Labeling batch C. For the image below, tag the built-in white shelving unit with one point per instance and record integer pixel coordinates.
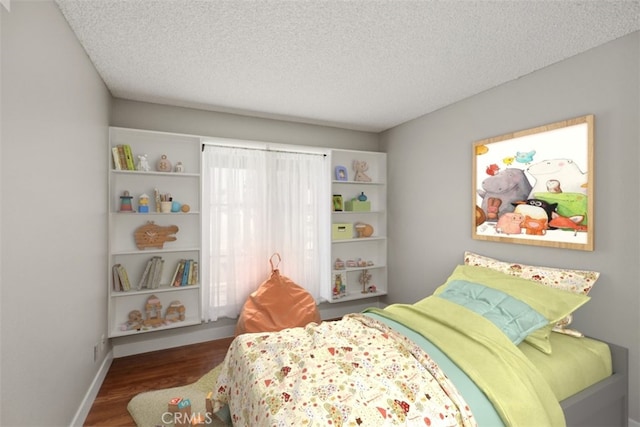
(369, 253)
(185, 189)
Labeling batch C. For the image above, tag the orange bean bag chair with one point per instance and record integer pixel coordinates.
(278, 303)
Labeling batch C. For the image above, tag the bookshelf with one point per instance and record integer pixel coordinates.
(134, 252)
(348, 244)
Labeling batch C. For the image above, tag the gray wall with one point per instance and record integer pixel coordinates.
(55, 113)
(141, 115)
(430, 186)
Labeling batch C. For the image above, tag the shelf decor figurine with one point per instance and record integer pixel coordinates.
(125, 202)
(364, 230)
(143, 163)
(164, 165)
(364, 279)
(360, 167)
(134, 322)
(143, 203)
(179, 167)
(339, 286)
(153, 312)
(175, 312)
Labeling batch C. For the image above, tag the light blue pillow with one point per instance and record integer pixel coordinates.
(515, 318)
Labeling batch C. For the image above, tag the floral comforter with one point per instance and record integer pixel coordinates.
(356, 371)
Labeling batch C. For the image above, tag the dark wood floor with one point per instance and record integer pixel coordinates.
(156, 370)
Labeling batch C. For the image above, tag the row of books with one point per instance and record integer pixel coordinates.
(186, 273)
(152, 273)
(123, 158)
(120, 278)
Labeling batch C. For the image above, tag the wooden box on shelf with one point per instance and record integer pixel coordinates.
(341, 231)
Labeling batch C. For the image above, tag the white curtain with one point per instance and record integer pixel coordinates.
(256, 203)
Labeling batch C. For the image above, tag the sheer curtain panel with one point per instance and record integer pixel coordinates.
(257, 202)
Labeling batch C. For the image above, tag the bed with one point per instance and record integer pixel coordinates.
(480, 350)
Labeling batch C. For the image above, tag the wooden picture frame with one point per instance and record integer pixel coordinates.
(535, 186)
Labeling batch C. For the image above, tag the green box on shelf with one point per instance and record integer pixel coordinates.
(356, 205)
(342, 231)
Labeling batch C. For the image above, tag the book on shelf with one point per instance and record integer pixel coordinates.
(123, 277)
(194, 276)
(185, 273)
(177, 277)
(157, 272)
(117, 284)
(128, 155)
(144, 279)
(175, 273)
(152, 274)
(122, 157)
(116, 158)
(190, 275)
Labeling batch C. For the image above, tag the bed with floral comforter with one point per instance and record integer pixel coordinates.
(375, 368)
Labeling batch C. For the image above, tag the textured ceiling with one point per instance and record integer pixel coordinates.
(366, 65)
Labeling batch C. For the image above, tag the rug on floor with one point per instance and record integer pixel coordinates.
(149, 409)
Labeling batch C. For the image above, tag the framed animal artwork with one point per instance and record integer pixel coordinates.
(535, 186)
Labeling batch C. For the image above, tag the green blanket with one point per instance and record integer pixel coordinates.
(515, 387)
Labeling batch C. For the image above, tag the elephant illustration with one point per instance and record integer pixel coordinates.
(507, 186)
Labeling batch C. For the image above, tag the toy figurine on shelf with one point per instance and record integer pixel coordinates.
(164, 165)
(125, 202)
(339, 286)
(179, 167)
(175, 312)
(153, 310)
(143, 203)
(364, 279)
(134, 322)
(143, 163)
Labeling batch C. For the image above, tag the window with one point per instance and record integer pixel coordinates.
(258, 201)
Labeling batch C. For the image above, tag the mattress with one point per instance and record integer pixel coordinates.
(575, 364)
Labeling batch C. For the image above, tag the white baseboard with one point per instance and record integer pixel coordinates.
(90, 396)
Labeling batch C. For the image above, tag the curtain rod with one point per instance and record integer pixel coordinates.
(241, 146)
